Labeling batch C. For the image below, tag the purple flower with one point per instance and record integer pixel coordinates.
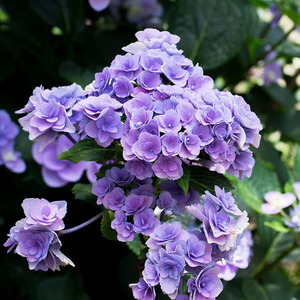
(165, 201)
(119, 219)
(175, 73)
(166, 233)
(12, 159)
(140, 117)
(142, 290)
(218, 226)
(136, 203)
(102, 79)
(125, 232)
(55, 172)
(115, 199)
(169, 122)
(106, 128)
(119, 176)
(190, 147)
(122, 87)
(224, 200)
(44, 213)
(171, 144)
(199, 82)
(39, 245)
(93, 106)
(145, 222)
(154, 38)
(170, 268)
(208, 115)
(271, 72)
(207, 285)
(139, 168)
(294, 220)
(127, 142)
(101, 188)
(151, 62)
(149, 80)
(99, 5)
(8, 129)
(127, 65)
(169, 167)
(204, 133)
(147, 147)
(44, 123)
(186, 112)
(198, 252)
(276, 202)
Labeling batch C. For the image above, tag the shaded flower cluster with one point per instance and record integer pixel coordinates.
(35, 237)
(57, 173)
(10, 158)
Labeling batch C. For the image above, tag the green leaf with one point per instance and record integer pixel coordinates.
(106, 229)
(281, 95)
(88, 150)
(252, 290)
(184, 181)
(135, 245)
(277, 225)
(211, 31)
(262, 180)
(83, 192)
(201, 180)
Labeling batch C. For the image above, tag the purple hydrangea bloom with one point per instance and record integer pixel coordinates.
(125, 232)
(241, 258)
(294, 221)
(136, 203)
(198, 252)
(169, 122)
(115, 199)
(119, 176)
(41, 212)
(165, 201)
(175, 73)
(8, 129)
(145, 222)
(102, 79)
(147, 147)
(218, 226)
(171, 144)
(139, 168)
(101, 188)
(190, 147)
(51, 112)
(207, 285)
(149, 80)
(119, 219)
(55, 172)
(122, 87)
(106, 128)
(127, 141)
(11, 159)
(169, 167)
(166, 233)
(140, 117)
(142, 290)
(170, 268)
(271, 72)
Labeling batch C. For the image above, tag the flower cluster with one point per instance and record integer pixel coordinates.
(175, 253)
(57, 173)
(8, 156)
(164, 110)
(50, 112)
(35, 237)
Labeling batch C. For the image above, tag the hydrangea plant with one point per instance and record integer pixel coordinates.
(156, 129)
